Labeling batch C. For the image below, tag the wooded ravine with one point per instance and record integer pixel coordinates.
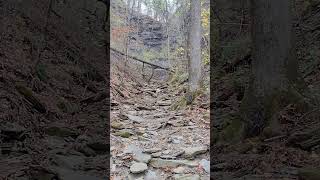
(160, 107)
(147, 89)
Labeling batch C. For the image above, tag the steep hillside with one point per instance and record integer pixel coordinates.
(53, 77)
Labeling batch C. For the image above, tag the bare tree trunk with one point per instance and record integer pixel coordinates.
(195, 47)
(274, 66)
(139, 6)
(167, 29)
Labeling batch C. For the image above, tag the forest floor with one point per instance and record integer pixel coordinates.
(290, 155)
(149, 141)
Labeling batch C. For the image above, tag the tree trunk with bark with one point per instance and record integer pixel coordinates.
(275, 79)
(195, 47)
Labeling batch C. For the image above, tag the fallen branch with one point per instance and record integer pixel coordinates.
(144, 62)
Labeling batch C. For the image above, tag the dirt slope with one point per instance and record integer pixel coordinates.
(52, 90)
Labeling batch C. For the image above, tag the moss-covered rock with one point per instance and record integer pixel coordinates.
(41, 72)
(233, 132)
(116, 125)
(59, 131)
(67, 107)
(123, 133)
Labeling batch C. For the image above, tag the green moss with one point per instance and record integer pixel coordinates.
(178, 78)
(66, 106)
(181, 103)
(123, 133)
(232, 132)
(62, 106)
(117, 125)
(24, 90)
(41, 72)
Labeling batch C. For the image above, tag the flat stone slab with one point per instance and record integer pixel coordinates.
(138, 167)
(162, 163)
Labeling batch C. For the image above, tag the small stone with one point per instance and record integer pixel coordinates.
(65, 174)
(151, 175)
(152, 150)
(175, 141)
(219, 167)
(60, 131)
(193, 151)
(205, 165)
(179, 170)
(70, 162)
(186, 177)
(136, 176)
(140, 157)
(117, 125)
(178, 153)
(164, 103)
(124, 133)
(136, 119)
(163, 163)
(138, 167)
(132, 149)
(167, 157)
(99, 145)
(157, 154)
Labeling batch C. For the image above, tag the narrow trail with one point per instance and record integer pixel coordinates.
(170, 144)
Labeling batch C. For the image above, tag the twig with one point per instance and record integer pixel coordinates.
(308, 113)
(274, 138)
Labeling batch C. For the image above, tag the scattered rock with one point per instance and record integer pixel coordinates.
(178, 153)
(138, 167)
(70, 162)
(124, 133)
(218, 167)
(167, 157)
(164, 103)
(205, 165)
(11, 131)
(151, 175)
(186, 177)
(117, 125)
(54, 142)
(145, 108)
(193, 151)
(64, 174)
(138, 176)
(84, 149)
(179, 170)
(132, 149)
(157, 154)
(152, 150)
(166, 152)
(60, 130)
(162, 163)
(99, 146)
(141, 157)
(136, 119)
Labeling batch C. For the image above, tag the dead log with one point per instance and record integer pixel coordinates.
(144, 62)
(29, 96)
(305, 140)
